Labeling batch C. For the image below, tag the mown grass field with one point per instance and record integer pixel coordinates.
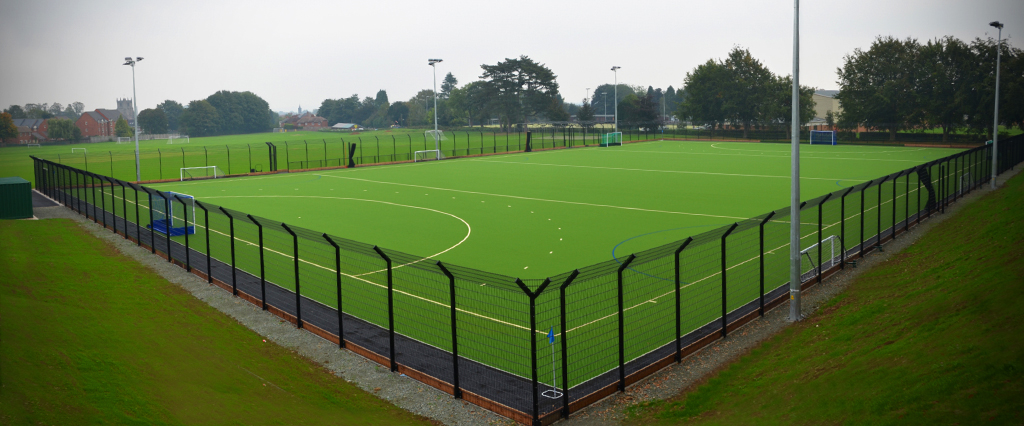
(88, 336)
(931, 336)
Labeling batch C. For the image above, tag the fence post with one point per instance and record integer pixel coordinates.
(337, 271)
(761, 260)
(724, 307)
(894, 180)
(209, 251)
(679, 306)
(231, 227)
(878, 216)
(92, 185)
(918, 205)
(152, 232)
(184, 208)
(622, 324)
(103, 200)
(295, 247)
(906, 204)
(533, 341)
(391, 309)
(263, 278)
(942, 188)
(842, 227)
(456, 390)
(168, 221)
(821, 207)
(138, 219)
(565, 344)
(124, 208)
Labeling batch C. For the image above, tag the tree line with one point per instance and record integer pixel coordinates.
(222, 113)
(945, 84)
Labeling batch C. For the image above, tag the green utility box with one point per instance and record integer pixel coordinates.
(15, 198)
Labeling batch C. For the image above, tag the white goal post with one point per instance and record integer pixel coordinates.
(428, 155)
(611, 139)
(177, 139)
(121, 140)
(74, 150)
(34, 144)
(832, 254)
(823, 137)
(205, 172)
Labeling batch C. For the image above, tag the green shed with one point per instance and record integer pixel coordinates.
(15, 198)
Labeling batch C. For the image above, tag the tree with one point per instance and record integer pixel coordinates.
(63, 129)
(704, 104)
(598, 100)
(777, 110)
(153, 121)
(981, 98)
(638, 112)
(173, 111)
(519, 89)
(585, 116)
(240, 112)
(122, 129)
(15, 111)
(69, 112)
(78, 108)
(382, 98)
(398, 113)
(55, 109)
(7, 128)
(830, 119)
(556, 111)
(945, 80)
(879, 87)
(449, 84)
(199, 119)
(745, 89)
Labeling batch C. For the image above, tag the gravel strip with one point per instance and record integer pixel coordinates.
(397, 389)
(424, 400)
(676, 378)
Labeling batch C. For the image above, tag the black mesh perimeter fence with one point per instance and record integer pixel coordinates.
(531, 350)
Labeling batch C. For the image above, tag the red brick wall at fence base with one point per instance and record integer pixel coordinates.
(498, 408)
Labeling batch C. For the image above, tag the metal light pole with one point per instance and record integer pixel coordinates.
(604, 96)
(135, 115)
(437, 137)
(794, 191)
(995, 120)
(588, 94)
(615, 69)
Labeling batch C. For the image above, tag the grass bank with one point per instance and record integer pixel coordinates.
(88, 336)
(931, 336)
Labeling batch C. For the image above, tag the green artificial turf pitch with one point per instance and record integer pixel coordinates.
(541, 214)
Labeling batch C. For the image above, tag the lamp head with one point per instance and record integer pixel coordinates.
(996, 24)
(138, 59)
(615, 68)
(431, 62)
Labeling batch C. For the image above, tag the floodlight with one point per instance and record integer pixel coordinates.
(996, 24)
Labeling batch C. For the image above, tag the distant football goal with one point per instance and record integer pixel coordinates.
(205, 172)
(611, 139)
(123, 140)
(177, 139)
(823, 137)
(78, 150)
(430, 154)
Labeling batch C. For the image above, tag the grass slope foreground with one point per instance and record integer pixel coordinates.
(934, 335)
(88, 336)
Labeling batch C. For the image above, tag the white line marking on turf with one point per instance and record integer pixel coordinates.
(537, 199)
(655, 171)
(714, 145)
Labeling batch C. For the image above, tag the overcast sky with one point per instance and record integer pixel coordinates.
(301, 52)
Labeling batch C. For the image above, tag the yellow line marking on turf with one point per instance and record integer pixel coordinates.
(538, 199)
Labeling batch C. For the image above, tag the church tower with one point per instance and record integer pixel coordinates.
(124, 106)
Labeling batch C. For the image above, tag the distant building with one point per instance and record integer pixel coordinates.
(824, 101)
(31, 130)
(305, 121)
(101, 122)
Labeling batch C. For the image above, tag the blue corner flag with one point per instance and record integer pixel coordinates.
(551, 336)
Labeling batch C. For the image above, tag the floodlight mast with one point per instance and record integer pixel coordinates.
(615, 69)
(794, 190)
(437, 137)
(135, 114)
(995, 119)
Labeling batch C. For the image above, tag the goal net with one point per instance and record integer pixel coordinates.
(831, 253)
(34, 145)
(173, 214)
(823, 137)
(82, 150)
(431, 154)
(965, 183)
(123, 140)
(177, 139)
(205, 172)
(611, 139)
